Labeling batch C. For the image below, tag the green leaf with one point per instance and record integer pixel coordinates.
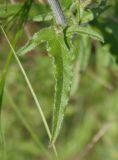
(85, 52)
(2, 79)
(87, 16)
(88, 31)
(43, 17)
(38, 38)
(2, 85)
(4, 73)
(10, 10)
(62, 71)
(37, 10)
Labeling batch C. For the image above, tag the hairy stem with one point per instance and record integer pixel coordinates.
(57, 11)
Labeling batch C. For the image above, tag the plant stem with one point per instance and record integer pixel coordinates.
(32, 91)
(57, 11)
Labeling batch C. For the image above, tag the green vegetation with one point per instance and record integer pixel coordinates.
(58, 80)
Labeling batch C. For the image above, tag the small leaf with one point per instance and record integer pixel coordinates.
(88, 31)
(87, 16)
(62, 62)
(38, 38)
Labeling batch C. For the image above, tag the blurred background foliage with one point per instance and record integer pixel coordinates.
(90, 129)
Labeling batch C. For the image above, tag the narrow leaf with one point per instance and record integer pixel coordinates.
(2, 85)
(62, 70)
(85, 52)
(88, 31)
(2, 79)
(63, 76)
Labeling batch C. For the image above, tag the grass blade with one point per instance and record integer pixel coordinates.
(2, 85)
(31, 90)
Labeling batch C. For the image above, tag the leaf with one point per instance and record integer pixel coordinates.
(88, 31)
(43, 17)
(10, 10)
(82, 51)
(87, 16)
(4, 73)
(38, 38)
(99, 9)
(62, 71)
(2, 79)
(85, 52)
(36, 10)
(2, 85)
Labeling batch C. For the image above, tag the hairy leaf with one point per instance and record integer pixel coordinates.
(85, 31)
(62, 71)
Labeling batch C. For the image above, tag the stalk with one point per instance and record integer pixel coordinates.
(57, 11)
